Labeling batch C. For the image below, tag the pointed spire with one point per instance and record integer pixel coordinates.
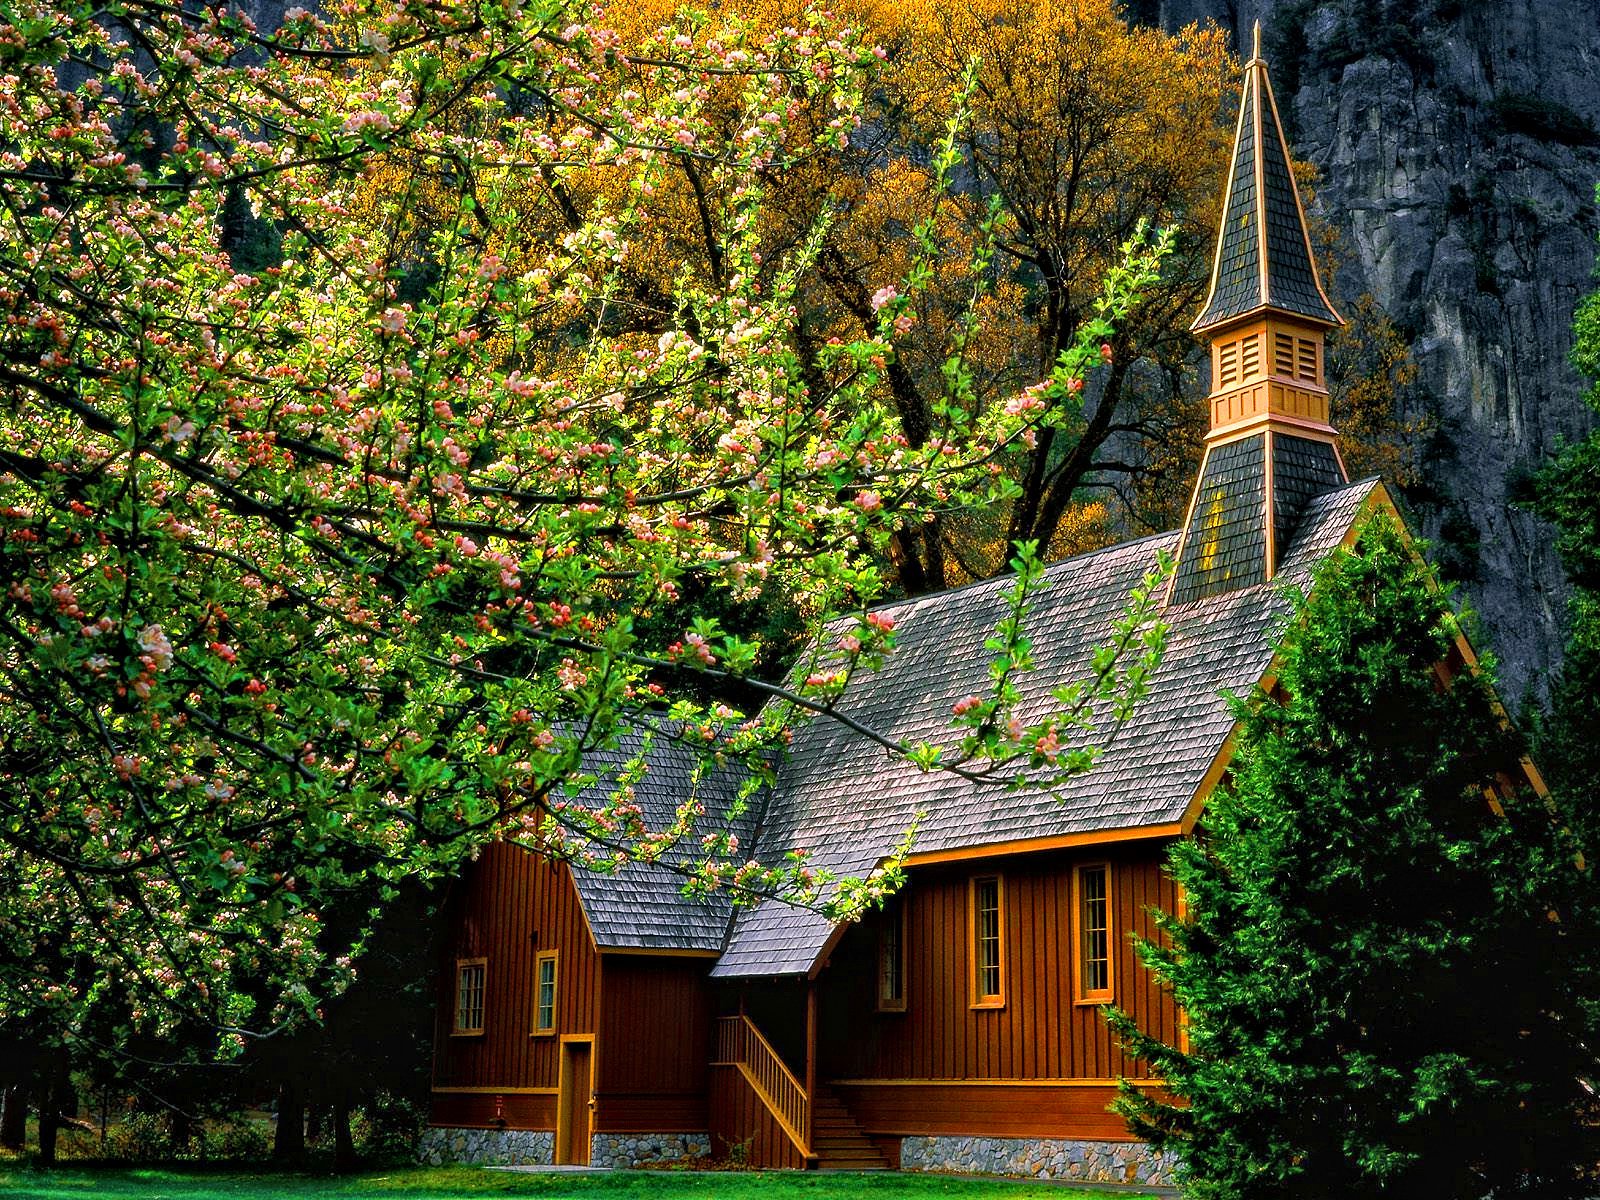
(1271, 448)
(1264, 260)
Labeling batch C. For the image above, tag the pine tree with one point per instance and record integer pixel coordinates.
(1381, 999)
(1568, 496)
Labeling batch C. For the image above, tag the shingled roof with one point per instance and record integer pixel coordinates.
(848, 803)
(1263, 258)
(641, 906)
(844, 800)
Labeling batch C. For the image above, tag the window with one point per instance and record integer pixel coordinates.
(1092, 885)
(544, 993)
(470, 978)
(988, 947)
(892, 958)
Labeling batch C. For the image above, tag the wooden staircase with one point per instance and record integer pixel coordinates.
(836, 1139)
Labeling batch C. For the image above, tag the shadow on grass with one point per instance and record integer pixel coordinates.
(449, 1183)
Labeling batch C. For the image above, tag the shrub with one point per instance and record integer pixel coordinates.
(1542, 120)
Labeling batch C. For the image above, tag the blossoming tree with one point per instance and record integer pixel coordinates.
(321, 568)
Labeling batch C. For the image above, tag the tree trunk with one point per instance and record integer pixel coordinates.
(344, 1148)
(49, 1126)
(289, 1135)
(182, 1132)
(58, 1098)
(14, 1118)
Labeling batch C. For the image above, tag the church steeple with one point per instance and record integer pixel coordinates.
(1270, 447)
(1263, 258)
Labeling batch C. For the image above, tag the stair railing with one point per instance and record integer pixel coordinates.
(741, 1044)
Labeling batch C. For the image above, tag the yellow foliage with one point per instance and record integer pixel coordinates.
(1081, 124)
(1085, 527)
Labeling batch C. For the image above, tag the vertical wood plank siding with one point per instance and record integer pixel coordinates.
(653, 1019)
(1041, 1032)
(509, 905)
(655, 1050)
(742, 1128)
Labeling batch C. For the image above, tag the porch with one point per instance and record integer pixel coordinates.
(763, 1115)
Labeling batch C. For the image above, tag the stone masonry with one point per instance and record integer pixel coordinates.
(1043, 1158)
(631, 1149)
(531, 1147)
(486, 1147)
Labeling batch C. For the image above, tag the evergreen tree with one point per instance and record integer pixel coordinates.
(1381, 999)
(1569, 497)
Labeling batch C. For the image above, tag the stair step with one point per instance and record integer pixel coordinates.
(837, 1140)
(852, 1164)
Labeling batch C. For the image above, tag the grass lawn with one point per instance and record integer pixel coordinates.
(446, 1183)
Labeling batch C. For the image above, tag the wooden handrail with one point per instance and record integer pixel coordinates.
(741, 1044)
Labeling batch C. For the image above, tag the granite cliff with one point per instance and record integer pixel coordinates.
(1458, 143)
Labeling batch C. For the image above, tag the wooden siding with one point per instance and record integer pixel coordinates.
(1041, 1032)
(1009, 1110)
(508, 906)
(655, 1028)
(481, 1110)
(741, 1127)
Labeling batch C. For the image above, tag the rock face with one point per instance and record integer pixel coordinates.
(1458, 149)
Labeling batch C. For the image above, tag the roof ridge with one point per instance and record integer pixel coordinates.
(996, 581)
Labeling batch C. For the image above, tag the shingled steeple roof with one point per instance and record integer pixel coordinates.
(1271, 447)
(1264, 259)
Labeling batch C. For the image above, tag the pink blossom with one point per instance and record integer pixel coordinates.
(157, 649)
(176, 430)
(371, 119)
(884, 295)
(700, 648)
(965, 705)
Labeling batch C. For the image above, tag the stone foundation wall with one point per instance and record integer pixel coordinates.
(631, 1149)
(486, 1147)
(1043, 1158)
(533, 1147)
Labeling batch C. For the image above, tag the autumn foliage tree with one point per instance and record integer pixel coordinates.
(1077, 126)
(335, 541)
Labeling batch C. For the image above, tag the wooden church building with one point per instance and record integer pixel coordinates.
(608, 1020)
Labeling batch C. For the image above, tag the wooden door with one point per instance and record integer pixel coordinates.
(576, 1103)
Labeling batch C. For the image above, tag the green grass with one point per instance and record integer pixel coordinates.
(446, 1183)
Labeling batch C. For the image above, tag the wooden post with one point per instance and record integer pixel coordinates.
(811, 1066)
